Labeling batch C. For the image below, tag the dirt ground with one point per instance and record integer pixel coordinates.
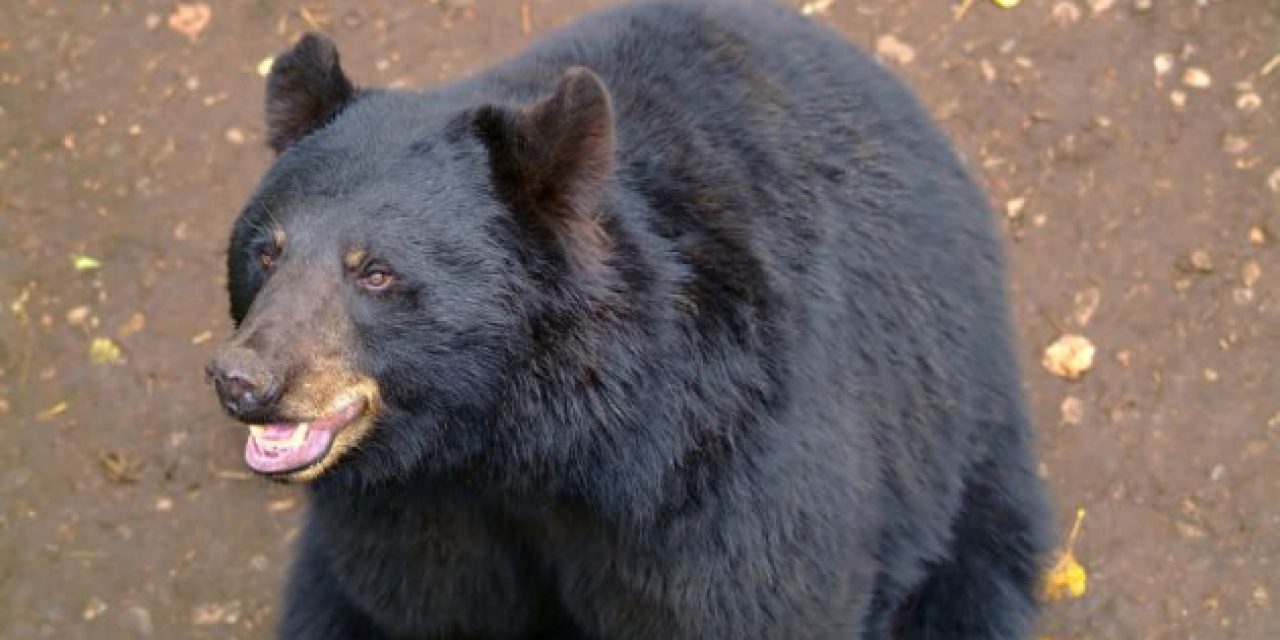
(1131, 148)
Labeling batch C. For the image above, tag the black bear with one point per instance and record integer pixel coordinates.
(686, 324)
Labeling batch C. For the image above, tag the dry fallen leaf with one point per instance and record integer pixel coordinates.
(94, 608)
(211, 613)
(816, 7)
(1067, 577)
(136, 322)
(190, 19)
(1070, 356)
(117, 468)
(52, 412)
(283, 504)
(1201, 261)
(1087, 302)
(103, 351)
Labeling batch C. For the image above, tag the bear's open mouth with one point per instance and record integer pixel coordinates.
(285, 448)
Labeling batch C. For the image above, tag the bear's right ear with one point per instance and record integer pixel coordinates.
(305, 89)
(551, 161)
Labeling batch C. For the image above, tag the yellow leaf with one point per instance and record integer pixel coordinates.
(1008, 4)
(264, 66)
(84, 263)
(52, 412)
(816, 7)
(1067, 578)
(103, 351)
(19, 305)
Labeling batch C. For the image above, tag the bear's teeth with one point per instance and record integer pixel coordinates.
(299, 435)
(296, 439)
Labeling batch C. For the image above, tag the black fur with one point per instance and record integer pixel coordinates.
(709, 341)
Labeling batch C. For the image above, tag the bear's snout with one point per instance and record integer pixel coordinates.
(244, 383)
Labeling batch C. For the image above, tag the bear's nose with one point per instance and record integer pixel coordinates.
(244, 384)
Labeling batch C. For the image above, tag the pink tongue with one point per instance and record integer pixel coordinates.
(273, 453)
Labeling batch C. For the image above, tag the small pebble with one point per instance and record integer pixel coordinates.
(1250, 272)
(1197, 78)
(1072, 409)
(1191, 531)
(1248, 102)
(78, 315)
(1163, 63)
(235, 136)
(1217, 472)
(1013, 208)
(889, 47)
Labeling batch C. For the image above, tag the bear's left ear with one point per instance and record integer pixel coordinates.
(553, 158)
(305, 89)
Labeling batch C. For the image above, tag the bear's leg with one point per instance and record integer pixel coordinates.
(988, 588)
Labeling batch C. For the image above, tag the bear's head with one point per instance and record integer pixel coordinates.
(403, 262)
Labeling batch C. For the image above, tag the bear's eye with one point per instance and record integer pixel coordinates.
(267, 257)
(376, 279)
